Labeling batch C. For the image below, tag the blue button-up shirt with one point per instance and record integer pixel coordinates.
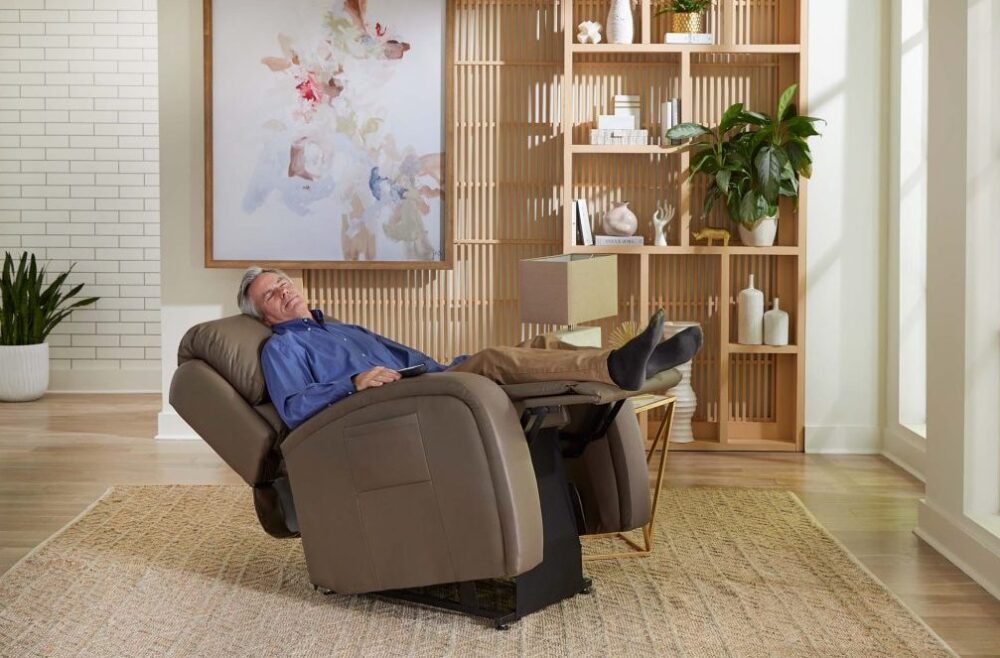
(309, 364)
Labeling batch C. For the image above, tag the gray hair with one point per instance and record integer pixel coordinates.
(247, 307)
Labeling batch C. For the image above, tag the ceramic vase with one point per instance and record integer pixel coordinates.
(681, 431)
(620, 28)
(751, 316)
(620, 220)
(24, 372)
(776, 326)
(761, 235)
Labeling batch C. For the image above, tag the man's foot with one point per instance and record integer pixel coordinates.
(674, 351)
(627, 364)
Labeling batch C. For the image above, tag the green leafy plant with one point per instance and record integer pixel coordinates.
(29, 311)
(685, 6)
(750, 158)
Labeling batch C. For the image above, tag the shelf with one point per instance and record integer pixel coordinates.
(736, 348)
(667, 251)
(660, 48)
(607, 149)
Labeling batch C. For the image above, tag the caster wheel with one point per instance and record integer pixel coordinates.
(323, 590)
(502, 627)
(588, 586)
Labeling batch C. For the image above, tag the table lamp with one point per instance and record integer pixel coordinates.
(569, 289)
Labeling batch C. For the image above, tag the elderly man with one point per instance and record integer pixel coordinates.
(310, 363)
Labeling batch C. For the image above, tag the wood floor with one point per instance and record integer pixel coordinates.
(60, 454)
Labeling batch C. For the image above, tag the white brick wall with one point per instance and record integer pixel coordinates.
(79, 175)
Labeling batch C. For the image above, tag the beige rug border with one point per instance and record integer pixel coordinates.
(798, 501)
(867, 571)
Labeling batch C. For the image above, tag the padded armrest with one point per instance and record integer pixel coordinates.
(425, 480)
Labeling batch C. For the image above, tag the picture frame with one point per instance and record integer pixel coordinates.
(342, 180)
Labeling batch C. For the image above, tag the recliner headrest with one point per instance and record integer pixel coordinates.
(232, 347)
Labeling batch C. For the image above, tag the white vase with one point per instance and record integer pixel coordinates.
(24, 372)
(750, 306)
(776, 326)
(761, 235)
(620, 28)
(681, 431)
(620, 220)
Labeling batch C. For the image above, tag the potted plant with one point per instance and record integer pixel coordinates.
(752, 160)
(688, 15)
(28, 313)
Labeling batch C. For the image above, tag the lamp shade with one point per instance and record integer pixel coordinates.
(568, 289)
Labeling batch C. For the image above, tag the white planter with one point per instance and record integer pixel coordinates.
(681, 431)
(762, 235)
(24, 372)
(620, 28)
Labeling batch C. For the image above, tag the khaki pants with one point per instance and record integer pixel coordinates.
(541, 359)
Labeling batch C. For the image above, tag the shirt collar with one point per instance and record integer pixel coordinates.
(300, 323)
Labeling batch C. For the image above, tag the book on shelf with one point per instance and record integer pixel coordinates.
(581, 223)
(619, 137)
(617, 122)
(701, 39)
(619, 240)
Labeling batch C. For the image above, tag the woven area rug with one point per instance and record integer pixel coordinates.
(186, 571)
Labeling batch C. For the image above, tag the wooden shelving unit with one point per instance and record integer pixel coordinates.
(750, 397)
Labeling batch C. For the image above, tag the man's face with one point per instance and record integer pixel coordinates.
(277, 299)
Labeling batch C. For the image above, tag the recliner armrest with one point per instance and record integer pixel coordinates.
(421, 481)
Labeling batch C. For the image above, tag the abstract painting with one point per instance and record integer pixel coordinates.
(325, 133)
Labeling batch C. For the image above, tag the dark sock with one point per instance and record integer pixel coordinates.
(674, 351)
(627, 364)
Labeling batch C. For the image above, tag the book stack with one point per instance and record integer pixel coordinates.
(622, 127)
(701, 39)
(670, 116)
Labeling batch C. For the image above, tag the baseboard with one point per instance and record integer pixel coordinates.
(104, 381)
(171, 427)
(906, 450)
(843, 439)
(966, 545)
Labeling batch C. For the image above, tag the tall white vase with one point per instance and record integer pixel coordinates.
(776, 326)
(681, 431)
(751, 316)
(620, 28)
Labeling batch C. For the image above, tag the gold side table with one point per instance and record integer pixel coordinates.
(642, 404)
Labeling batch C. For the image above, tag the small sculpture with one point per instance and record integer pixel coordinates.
(590, 32)
(709, 234)
(620, 220)
(661, 220)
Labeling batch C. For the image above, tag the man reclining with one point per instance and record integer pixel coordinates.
(309, 363)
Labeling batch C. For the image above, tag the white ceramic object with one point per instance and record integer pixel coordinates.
(761, 235)
(661, 220)
(24, 372)
(590, 32)
(620, 220)
(687, 401)
(751, 316)
(620, 26)
(776, 326)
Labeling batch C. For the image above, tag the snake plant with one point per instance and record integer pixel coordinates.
(29, 310)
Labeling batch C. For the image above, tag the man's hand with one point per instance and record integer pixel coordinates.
(377, 376)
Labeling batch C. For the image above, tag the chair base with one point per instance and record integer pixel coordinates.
(559, 575)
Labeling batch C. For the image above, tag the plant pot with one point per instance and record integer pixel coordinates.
(24, 372)
(762, 234)
(692, 22)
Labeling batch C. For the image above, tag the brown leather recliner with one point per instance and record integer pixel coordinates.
(441, 478)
